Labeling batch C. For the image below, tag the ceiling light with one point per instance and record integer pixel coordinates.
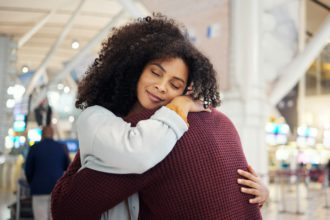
(54, 120)
(66, 89)
(71, 119)
(10, 103)
(10, 90)
(60, 86)
(18, 92)
(25, 69)
(75, 45)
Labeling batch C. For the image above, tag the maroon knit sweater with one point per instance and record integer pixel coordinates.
(197, 180)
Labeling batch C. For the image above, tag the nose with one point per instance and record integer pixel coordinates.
(161, 86)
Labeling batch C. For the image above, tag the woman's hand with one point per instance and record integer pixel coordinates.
(254, 186)
(187, 104)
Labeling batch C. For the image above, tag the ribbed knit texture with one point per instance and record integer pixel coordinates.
(197, 180)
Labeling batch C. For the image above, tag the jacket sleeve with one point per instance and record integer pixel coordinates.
(29, 165)
(109, 144)
(86, 194)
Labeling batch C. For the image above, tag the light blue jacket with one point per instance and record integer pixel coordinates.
(109, 144)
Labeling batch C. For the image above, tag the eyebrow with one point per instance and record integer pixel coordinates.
(164, 70)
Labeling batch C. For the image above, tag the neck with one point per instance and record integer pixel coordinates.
(137, 108)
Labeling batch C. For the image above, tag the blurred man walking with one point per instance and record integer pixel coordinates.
(45, 164)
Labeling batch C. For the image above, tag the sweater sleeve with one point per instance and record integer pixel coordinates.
(109, 144)
(86, 194)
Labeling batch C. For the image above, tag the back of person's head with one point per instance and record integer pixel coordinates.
(47, 132)
(111, 80)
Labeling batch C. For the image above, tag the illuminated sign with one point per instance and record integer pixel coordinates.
(277, 133)
(306, 136)
(19, 124)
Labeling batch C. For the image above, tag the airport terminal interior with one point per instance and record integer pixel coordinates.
(272, 59)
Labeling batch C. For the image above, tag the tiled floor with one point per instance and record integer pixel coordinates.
(308, 204)
(311, 203)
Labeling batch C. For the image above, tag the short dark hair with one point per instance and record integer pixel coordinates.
(47, 132)
(111, 81)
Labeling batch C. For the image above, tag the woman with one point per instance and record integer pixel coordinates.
(143, 66)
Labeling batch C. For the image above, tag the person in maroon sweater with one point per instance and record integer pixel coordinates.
(198, 179)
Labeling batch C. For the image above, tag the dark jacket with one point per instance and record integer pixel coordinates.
(45, 164)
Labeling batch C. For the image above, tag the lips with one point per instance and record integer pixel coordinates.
(154, 98)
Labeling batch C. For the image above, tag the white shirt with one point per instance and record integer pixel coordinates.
(109, 144)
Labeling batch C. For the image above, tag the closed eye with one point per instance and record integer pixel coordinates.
(175, 86)
(155, 73)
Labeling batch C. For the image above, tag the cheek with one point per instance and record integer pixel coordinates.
(138, 92)
(142, 83)
(145, 82)
(138, 88)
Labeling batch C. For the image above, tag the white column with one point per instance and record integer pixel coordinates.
(7, 68)
(245, 103)
(302, 82)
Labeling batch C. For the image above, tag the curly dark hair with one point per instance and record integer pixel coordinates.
(111, 81)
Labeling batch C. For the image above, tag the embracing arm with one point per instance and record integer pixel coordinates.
(253, 186)
(87, 194)
(109, 144)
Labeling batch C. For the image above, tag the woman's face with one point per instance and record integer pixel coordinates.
(160, 82)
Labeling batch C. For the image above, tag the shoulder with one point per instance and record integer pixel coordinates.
(215, 117)
(93, 114)
(95, 109)
(58, 146)
(215, 122)
(53, 142)
(222, 118)
(36, 148)
(36, 145)
(135, 118)
(33, 147)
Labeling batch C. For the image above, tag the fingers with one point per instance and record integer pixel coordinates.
(250, 191)
(189, 88)
(248, 183)
(248, 175)
(205, 110)
(189, 92)
(257, 189)
(200, 107)
(256, 200)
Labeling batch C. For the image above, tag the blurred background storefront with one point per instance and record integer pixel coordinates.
(273, 63)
